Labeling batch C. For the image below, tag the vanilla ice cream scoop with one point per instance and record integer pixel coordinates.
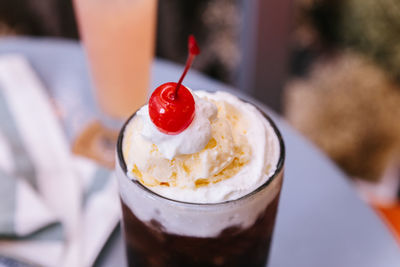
(227, 151)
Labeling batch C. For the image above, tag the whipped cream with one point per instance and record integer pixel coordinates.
(228, 151)
(182, 143)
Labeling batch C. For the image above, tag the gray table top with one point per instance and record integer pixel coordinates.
(321, 220)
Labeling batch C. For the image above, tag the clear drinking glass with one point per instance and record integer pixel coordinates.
(118, 37)
(164, 232)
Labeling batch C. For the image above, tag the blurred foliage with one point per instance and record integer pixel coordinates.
(346, 97)
(350, 108)
(369, 26)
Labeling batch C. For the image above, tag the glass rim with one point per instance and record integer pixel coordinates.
(278, 170)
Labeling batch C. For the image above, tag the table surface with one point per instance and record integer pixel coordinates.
(321, 220)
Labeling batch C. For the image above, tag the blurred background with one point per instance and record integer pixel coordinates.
(338, 81)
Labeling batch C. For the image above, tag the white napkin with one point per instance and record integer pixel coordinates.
(56, 209)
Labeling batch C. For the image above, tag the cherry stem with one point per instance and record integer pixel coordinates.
(188, 64)
(193, 51)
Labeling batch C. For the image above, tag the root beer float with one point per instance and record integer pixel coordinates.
(200, 175)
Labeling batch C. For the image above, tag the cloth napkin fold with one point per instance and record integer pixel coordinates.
(56, 209)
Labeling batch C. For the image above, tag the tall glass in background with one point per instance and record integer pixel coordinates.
(118, 36)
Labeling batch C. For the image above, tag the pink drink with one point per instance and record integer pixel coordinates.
(119, 39)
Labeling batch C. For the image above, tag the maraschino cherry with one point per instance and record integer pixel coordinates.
(171, 106)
